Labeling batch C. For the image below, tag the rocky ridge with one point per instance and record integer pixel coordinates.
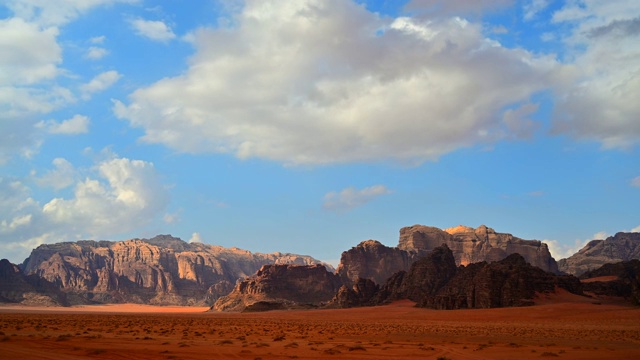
(276, 287)
(163, 270)
(623, 246)
(436, 282)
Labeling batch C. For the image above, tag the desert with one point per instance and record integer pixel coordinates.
(559, 325)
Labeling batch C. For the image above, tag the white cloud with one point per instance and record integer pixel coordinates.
(605, 50)
(351, 197)
(636, 229)
(562, 251)
(635, 181)
(48, 13)
(195, 238)
(61, 177)
(96, 53)
(78, 124)
(316, 82)
(518, 124)
(99, 83)
(533, 7)
(122, 195)
(457, 6)
(154, 30)
(98, 39)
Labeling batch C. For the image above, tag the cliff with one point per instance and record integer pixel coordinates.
(163, 270)
(475, 245)
(626, 283)
(281, 287)
(621, 247)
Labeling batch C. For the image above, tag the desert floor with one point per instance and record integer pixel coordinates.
(563, 326)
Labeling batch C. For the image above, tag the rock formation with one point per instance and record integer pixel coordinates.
(362, 293)
(163, 270)
(475, 245)
(434, 281)
(15, 287)
(621, 247)
(626, 284)
(281, 287)
(372, 260)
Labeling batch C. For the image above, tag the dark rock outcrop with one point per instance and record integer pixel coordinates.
(621, 247)
(362, 293)
(476, 245)
(372, 260)
(626, 284)
(163, 270)
(15, 287)
(281, 287)
(434, 281)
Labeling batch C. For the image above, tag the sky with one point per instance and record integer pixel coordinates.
(308, 126)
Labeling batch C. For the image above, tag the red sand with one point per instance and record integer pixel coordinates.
(562, 325)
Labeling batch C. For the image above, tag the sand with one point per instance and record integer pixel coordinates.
(563, 326)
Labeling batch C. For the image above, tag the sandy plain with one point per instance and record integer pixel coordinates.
(560, 326)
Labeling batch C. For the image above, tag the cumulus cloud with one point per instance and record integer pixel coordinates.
(121, 195)
(154, 30)
(96, 53)
(62, 176)
(602, 105)
(636, 229)
(351, 197)
(319, 82)
(533, 7)
(99, 83)
(78, 124)
(195, 238)
(562, 250)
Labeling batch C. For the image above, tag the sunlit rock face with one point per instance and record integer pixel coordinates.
(471, 245)
(163, 270)
(624, 246)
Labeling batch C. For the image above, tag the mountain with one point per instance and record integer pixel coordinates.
(163, 270)
(623, 246)
(276, 287)
(434, 281)
(372, 260)
(625, 282)
(471, 245)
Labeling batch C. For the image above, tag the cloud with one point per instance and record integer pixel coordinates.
(458, 7)
(195, 238)
(120, 196)
(96, 53)
(351, 197)
(55, 13)
(533, 7)
(78, 124)
(154, 30)
(322, 82)
(636, 229)
(603, 45)
(61, 177)
(635, 181)
(99, 83)
(562, 251)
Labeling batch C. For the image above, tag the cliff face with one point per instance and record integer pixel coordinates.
(372, 260)
(161, 270)
(475, 245)
(280, 287)
(626, 283)
(621, 247)
(435, 282)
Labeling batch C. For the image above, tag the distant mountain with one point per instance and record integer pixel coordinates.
(620, 247)
(372, 260)
(434, 281)
(163, 270)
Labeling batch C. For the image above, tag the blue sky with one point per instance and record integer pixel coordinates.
(310, 126)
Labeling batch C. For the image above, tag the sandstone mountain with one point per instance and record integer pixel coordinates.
(163, 270)
(621, 247)
(475, 245)
(434, 281)
(281, 287)
(372, 260)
